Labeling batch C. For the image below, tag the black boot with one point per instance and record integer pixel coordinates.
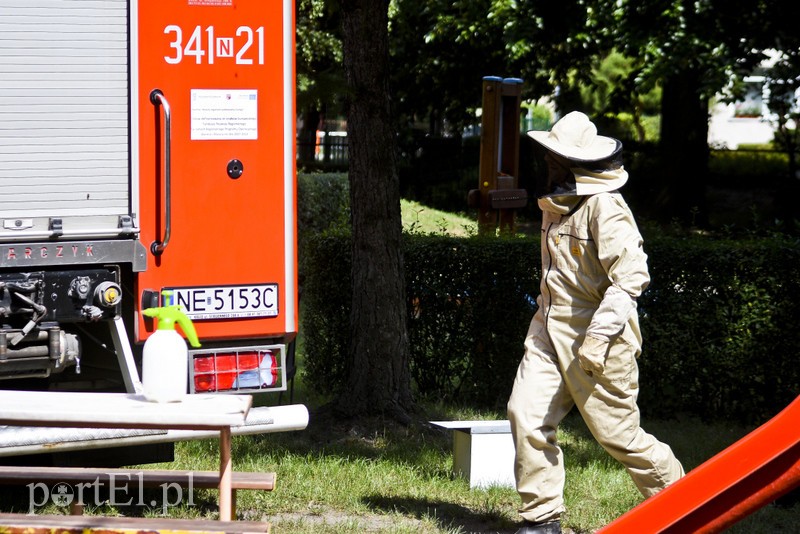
(544, 527)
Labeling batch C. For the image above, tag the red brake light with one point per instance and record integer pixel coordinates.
(225, 371)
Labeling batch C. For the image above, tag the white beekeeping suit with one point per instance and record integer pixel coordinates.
(583, 341)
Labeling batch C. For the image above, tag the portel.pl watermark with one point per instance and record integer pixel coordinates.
(126, 489)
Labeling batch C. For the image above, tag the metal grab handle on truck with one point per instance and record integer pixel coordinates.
(157, 98)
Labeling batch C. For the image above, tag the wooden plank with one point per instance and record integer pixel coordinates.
(487, 167)
(121, 410)
(226, 505)
(252, 480)
(133, 477)
(46, 524)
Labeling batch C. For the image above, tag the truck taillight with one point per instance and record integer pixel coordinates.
(236, 370)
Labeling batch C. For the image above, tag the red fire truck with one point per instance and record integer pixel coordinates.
(145, 146)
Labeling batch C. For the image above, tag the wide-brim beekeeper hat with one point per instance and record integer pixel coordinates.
(575, 137)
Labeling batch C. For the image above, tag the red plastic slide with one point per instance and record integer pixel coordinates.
(749, 474)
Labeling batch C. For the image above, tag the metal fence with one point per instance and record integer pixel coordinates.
(329, 149)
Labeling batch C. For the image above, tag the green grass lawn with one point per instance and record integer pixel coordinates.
(423, 219)
(371, 475)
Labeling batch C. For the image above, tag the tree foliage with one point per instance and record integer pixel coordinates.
(318, 59)
(784, 86)
(440, 52)
(693, 49)
(441, 49)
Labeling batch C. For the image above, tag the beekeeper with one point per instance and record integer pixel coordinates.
(583, 341)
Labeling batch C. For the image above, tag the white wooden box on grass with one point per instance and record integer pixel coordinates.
(483, 452)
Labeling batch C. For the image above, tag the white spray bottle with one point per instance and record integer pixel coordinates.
(165, 360)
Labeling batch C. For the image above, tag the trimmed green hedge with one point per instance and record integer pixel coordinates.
(323, 202)
(470, 302)
(745, 169)
(719, 320)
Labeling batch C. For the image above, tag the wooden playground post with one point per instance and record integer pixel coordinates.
(498, 195)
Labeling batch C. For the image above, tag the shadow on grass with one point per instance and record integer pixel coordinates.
(449, 516)
(364, 437)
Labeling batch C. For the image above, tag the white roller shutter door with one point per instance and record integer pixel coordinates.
(64, 108)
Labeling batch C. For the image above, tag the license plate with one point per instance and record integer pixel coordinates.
(227, 302)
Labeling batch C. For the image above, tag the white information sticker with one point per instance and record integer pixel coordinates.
(221, 114)
(219, 3)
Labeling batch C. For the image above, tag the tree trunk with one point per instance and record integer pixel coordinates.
(379, 376)
(684, 149)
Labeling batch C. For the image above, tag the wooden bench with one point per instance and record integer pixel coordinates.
(119, 478)
(69, 409)
(47, 524)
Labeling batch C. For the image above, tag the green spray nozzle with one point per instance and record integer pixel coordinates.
(167, 317)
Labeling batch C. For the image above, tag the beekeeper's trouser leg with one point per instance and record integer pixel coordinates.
(549, 382)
